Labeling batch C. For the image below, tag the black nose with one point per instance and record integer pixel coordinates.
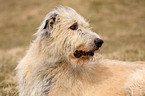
(98, 42)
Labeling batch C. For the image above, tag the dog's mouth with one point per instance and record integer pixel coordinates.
(81, 53)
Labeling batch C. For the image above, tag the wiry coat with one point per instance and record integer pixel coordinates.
(50, 69)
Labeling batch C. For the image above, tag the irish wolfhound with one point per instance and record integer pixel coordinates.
(62, 61)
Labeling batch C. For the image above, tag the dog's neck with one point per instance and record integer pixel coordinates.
(59, 72)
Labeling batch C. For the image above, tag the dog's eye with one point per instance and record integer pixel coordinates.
(74, 26)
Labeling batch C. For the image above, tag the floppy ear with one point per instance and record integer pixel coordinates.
(49, 23)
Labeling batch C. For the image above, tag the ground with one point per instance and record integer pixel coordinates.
(120, 23)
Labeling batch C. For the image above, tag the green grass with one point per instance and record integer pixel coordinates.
(120, 23)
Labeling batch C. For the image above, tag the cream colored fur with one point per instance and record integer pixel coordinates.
(50, 69)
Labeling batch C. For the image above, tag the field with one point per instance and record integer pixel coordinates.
(120, 23)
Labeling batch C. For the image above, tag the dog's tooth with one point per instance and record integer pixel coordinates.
(93, 59)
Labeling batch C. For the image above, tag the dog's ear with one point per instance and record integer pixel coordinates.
(47, 25)
(50, 22)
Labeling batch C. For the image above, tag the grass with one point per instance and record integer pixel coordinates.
(120, 23)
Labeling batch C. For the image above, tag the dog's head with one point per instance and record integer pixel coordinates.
(68, 35)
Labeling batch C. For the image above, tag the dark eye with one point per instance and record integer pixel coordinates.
(74, 26)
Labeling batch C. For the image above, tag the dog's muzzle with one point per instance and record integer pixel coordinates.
(98, 43)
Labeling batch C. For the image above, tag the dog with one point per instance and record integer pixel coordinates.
(63, 61)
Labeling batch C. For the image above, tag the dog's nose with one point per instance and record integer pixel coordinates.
(98, 42)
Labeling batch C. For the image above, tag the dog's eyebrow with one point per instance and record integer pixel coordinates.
(46, 24)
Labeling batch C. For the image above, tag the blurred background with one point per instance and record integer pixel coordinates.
(120, 23)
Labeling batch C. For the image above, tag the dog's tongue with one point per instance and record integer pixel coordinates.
(78, 54)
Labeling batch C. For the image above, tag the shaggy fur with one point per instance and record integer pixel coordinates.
(50, 68)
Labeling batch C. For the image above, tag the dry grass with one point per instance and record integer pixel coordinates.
(119, 22)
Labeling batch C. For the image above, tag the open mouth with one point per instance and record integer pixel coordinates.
(80, 53)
